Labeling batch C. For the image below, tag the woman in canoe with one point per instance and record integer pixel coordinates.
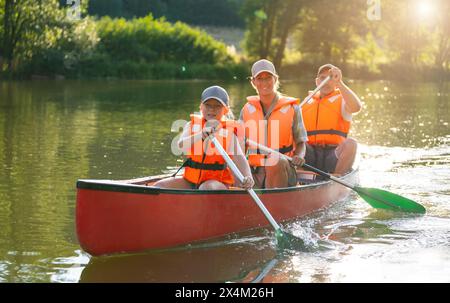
(205, 167)
(278, 117)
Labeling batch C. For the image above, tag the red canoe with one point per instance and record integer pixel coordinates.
(132, 215)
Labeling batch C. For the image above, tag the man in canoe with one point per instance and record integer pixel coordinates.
(273, 120)
(205, 168)
(327, 117)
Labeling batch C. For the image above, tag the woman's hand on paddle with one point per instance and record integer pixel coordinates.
(297, 160)
(210, 128)
(248, 182)
(207, 131)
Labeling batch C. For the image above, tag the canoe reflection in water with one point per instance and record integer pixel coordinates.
(235, 262)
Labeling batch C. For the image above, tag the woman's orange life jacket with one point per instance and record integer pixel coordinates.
(204, 161)
(323, 119)
(275, 132)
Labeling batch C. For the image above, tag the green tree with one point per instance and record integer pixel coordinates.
(269, 24)
(367, 55)
(406, 36)
(17, 16)
(287, 23)
(150, 40)
(260, 17)
(328, 29)
(30, 25)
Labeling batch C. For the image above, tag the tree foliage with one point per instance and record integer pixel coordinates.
(340, 32)
(150, 40)
(30, 26)
(38, 37)
(328, 29)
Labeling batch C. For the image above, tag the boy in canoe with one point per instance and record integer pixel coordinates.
(205, 168)
(327, 117)
(273, 120)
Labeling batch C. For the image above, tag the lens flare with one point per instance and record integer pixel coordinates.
(424, 9)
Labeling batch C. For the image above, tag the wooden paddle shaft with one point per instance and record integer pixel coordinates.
(239, 175)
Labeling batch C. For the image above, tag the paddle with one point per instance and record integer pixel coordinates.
(284, 239)
(377, 198)
(319, 87)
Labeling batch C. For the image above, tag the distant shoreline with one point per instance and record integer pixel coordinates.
(302, 79)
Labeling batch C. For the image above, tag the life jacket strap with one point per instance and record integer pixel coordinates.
(327, 132)
(283, 150)
(204, 166)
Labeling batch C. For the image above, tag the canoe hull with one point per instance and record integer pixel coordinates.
(113, 218)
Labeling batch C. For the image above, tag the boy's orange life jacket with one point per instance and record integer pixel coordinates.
(323, 120)
(204, 161)
(275, 133)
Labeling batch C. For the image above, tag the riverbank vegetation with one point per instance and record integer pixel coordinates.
(40, 41)
(137, 39)
(389, 39)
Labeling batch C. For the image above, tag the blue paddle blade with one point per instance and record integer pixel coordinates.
(379, 198)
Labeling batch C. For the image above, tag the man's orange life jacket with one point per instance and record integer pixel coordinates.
(204, 161)
(323, 119)
(275, 132)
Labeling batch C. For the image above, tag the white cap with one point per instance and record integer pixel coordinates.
(263, 65)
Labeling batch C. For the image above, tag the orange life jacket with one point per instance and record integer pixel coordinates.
(323, 119)
(275, 133)
(204, 161)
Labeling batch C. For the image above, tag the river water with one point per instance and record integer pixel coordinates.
(53, 133)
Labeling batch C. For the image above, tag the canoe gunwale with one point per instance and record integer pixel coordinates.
(127, 186)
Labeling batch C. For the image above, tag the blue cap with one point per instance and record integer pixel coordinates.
(215, 92)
